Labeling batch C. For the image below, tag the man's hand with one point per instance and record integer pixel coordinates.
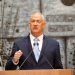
(17, 56)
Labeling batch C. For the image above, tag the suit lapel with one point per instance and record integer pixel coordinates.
(31, 59)
(43, 48)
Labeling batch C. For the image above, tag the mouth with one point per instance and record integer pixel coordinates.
(35, 27)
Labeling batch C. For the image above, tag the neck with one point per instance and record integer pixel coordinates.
(36, 34)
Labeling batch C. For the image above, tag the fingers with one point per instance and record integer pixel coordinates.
(17, 55)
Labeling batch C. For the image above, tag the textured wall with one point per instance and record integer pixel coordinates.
(61, 23)
(60, 18)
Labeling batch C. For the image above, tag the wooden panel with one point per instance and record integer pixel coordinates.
(37, 72)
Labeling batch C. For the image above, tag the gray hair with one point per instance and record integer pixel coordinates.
(40, 14)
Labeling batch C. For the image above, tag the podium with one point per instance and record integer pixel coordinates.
(38, 72)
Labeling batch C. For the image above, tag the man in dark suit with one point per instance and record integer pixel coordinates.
(45, 54)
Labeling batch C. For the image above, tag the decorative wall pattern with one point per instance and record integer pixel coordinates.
(60, 25)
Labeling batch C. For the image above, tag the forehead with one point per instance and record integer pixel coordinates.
(36, 16)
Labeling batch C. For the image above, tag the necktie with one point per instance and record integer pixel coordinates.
(36, 49)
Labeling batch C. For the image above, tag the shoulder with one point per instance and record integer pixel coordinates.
(21, 39)
(51, 40)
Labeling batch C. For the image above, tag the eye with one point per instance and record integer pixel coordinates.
(38, 21)
(32, 20)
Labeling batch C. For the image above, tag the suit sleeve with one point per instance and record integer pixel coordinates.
(9, 64)
(58, 63)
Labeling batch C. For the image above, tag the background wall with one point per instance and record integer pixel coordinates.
(60, 18)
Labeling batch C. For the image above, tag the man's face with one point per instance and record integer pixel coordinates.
(36, 24)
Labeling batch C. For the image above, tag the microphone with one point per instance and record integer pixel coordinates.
(48, 61)
(25, 60)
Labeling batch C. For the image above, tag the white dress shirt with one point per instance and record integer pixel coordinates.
(40, 38)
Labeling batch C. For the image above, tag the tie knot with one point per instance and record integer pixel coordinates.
(36, 41)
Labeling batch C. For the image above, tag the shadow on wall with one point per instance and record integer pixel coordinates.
(68, 2)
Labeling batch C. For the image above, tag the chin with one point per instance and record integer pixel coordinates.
(35, 31)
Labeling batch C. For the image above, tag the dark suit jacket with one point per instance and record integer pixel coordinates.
(49, 57)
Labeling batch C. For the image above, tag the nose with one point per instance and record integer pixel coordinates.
(35, 23)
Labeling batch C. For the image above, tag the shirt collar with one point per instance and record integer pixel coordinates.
(39, 38)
